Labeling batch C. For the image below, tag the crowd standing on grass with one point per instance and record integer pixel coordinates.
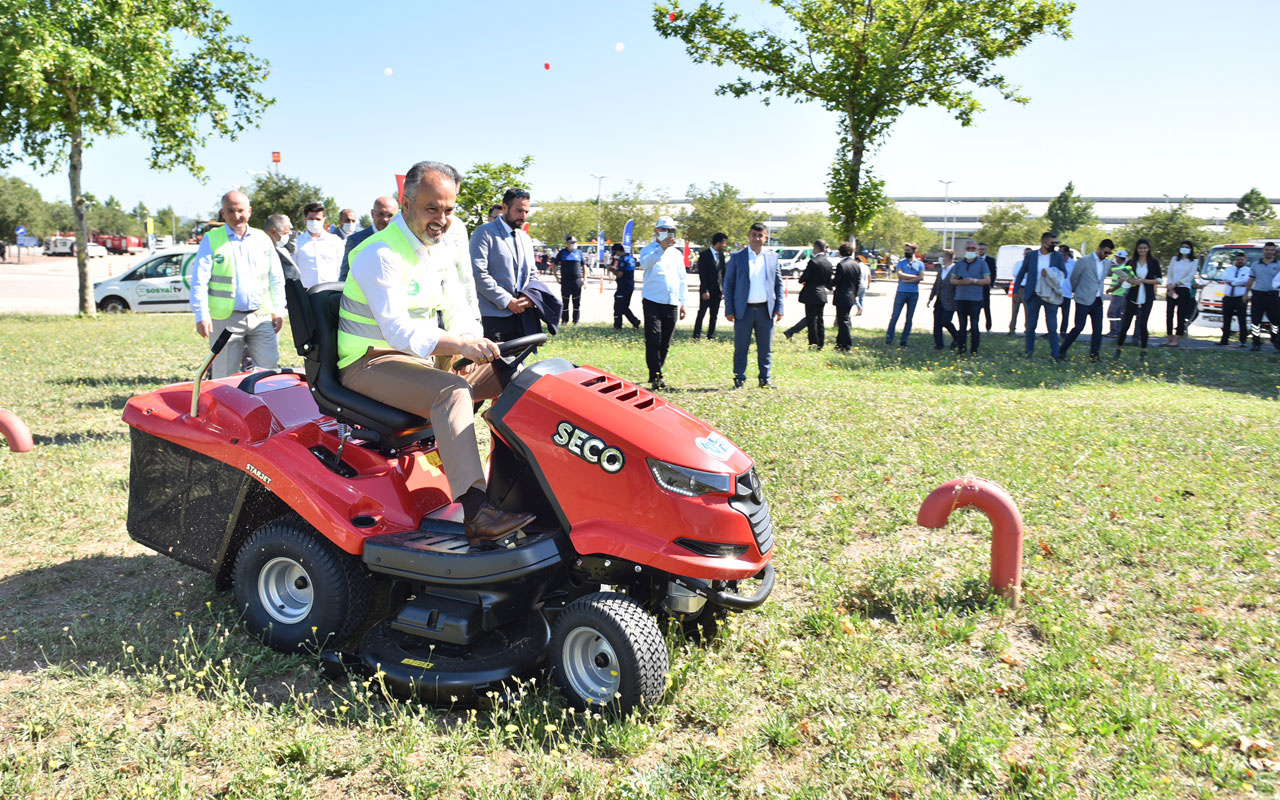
(239, 273)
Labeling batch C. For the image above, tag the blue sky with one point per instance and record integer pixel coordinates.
(1147, 98)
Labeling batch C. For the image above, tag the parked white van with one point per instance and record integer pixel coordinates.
(159, 282)
(66, 246)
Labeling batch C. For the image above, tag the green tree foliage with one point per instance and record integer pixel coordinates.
(167, 223)
(168, 70)
(718, 209)
(21, 204)
(1252, 208)
(630, 204)
(892, 227)
(1068, 211)
(484, 184)
(1085, 238)
(556, 219)
(1166, 228)
(1010, 223)
(804, 227)
(274, 193)
(868, 61)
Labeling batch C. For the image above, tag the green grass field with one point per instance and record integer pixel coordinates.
(1141, 663)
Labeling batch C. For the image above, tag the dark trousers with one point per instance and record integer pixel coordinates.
(1091, 313)
(1065, 322)
(756, 321)
(570, 292)
(902, 300)
(967, 312)
(1233, 308)
(622, 300)
(659, 324)
(709, 307)
(812, 323)
(1031, 307)
(1170, 306)
(844, 340)
(1266, 306)
(503, 329)
(986, 305)
(942, 322)
(1141, 313)
(1186, 307)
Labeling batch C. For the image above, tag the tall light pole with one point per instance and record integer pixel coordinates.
(1167, 207)
(599, 223)
(946, 208)
(768, 212)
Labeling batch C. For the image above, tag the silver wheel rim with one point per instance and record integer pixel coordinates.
(590, 665)
(284, 589)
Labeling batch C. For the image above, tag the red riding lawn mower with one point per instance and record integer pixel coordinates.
(328, 515)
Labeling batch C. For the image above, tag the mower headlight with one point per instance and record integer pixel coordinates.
(689, 482)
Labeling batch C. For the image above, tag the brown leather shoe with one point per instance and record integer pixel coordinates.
(492, 523)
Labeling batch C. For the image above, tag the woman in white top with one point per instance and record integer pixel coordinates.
(1141, 295)
(1180, 290)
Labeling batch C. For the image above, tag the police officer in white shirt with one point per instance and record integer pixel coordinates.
(662, 296)
(1235, 284)
(319, 253)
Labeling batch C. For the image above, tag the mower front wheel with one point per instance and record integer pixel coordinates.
(607, 651)
(296, 589)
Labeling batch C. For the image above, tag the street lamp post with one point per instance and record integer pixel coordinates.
(946, 208)
(768, 212)
(599, 220)
(1167, 207)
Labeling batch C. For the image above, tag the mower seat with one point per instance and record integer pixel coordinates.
(313, 316)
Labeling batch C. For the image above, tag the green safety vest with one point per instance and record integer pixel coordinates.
(222, 278)
(357, 329)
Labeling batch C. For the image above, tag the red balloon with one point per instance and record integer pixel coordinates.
(546, 66)
(671, 17)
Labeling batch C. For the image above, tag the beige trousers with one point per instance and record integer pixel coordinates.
(428, 388)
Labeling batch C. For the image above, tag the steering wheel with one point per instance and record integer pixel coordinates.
(513, 352)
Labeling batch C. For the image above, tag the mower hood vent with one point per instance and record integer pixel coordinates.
(748, 500)
(622, 391)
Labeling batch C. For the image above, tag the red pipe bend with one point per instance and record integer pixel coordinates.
(1006, 526)
(15, 432)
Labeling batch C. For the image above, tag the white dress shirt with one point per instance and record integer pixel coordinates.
(1066, 284)
(1235, 280)
(253, 255)
(1104, 269)
(755, 274)
(664, 277)
(319, 258)
(379, 272)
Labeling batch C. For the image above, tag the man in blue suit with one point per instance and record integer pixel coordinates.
(384, 208)
(753, 303)
(502, 264)
(1036, 266)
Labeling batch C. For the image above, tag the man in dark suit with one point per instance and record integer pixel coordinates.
(384, 208)
(816, 280)
(847, 281)
(710, 284)
(347, 223)
(279, 228)
(753, 302)
(1036, 266)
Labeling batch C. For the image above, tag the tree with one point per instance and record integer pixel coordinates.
(164, 69)
(804, 227)
(21, 204)
(1069, 211)
(1010, 223)
(868, 61)
(1165, 228)
(557, 219)
(1253, 208)
(274, 193)
(892, 227)
(483, 185)
(167, 222)
(717, 210)
(631, 204)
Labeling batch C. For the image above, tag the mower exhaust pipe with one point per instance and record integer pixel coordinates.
(223, 338)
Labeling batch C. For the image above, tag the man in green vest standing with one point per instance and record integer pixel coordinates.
(404, 319)
(238, 285)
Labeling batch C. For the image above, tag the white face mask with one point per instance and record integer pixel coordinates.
(315, 227)
(284, 240)
(348, 228)
(663, 235)
(1186, 251)
(970, 255)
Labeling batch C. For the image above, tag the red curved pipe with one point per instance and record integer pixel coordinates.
(15, 432)
(1006, 526)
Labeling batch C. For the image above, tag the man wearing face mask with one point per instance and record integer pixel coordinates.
(404, 319)
(279, 228)
(384, 208)
(237, 285)
(319, 253)
(346, 224)
(572, 271)
(969, 277)
(662, 297)
(910, 271)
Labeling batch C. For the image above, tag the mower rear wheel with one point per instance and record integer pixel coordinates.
(297, 590)
(607, 651)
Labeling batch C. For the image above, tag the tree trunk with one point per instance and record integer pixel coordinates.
(77, 205)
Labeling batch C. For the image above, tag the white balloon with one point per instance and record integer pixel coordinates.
(619, 46)
(387, 71)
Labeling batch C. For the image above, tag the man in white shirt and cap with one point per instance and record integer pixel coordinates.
(662, 296)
